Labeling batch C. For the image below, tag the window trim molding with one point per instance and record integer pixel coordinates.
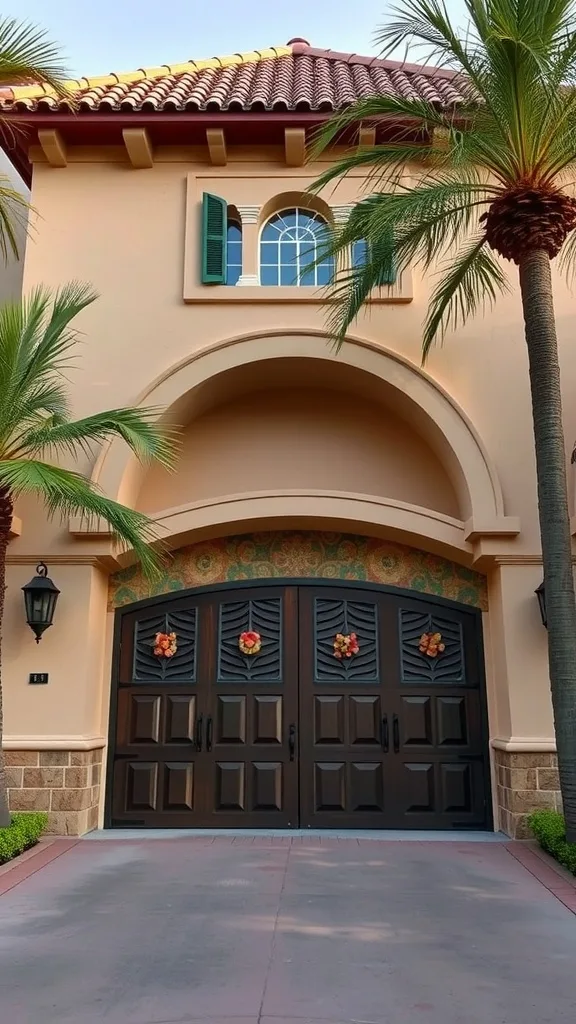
(400, 292)
(248, 290)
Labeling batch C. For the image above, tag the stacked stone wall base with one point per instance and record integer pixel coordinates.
(525, 782)
(65, 783)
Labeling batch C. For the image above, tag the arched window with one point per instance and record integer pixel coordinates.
(233, 250)
(290, 244)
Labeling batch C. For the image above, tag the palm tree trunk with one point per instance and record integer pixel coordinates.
(5, 525)
(540, 331)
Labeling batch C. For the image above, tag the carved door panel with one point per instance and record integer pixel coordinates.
(250, 756)
(156, 762)
(343, 779)
(438, 733)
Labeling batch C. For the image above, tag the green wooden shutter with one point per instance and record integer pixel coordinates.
(214, 231)
(385, 252)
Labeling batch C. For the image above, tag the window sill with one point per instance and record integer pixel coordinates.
(400, 292)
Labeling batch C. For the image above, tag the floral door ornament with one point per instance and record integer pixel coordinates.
(345, 645)
(165, 645)
(431, 644)
(250, 642)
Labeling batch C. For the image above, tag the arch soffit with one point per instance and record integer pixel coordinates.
(416, 391)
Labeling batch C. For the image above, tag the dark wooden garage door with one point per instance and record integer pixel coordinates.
(292, 736)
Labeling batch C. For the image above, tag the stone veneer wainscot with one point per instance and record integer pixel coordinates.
(526, 781)
(65, 783)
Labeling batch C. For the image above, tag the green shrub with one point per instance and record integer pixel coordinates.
(24, 831)
(550, 831)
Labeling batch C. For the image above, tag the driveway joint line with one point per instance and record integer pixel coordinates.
(274, 935)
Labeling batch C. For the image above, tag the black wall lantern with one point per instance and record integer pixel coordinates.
(40, 597)
(541, 595)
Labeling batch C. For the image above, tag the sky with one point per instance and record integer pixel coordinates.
(127, 34)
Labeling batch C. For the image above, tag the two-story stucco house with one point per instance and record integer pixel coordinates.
(343, 509)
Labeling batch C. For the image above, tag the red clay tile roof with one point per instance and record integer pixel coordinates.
(293, 78)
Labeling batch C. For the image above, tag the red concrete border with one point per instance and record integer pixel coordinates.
(552, 876)
(28, 863)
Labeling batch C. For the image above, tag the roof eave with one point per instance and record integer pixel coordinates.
(77, 128)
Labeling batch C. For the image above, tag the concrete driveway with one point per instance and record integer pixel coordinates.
(277, 932)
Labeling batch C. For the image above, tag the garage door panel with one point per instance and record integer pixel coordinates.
(391, 737)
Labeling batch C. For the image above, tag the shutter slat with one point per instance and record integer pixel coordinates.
(214, 233)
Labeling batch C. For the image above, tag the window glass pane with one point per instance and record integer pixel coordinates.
(288, 218)
(234, 254)
(307, 253)
(289, 274)
(288, 251)
(269, 252)
(271, 230)
(359, 252)
(233, 274)
(325, 272)
(268, 275)
(307, 278)
(305, 219)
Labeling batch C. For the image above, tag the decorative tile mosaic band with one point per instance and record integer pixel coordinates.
(336, 556)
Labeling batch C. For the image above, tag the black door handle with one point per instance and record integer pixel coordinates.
(384, 738)
(396, 733)
(292, 741)
(198, 743)
(209, 733)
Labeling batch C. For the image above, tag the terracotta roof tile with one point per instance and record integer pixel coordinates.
(295, 77)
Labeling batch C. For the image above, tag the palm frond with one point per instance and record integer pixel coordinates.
(515, 64)
(468, 282)
(514, 55)
(567, 257)
(416, 225)
(65, 493)
(385, 165)
(13, 215)
(425, 221)
(137, 427)
(425, 25)
(36, 339)
(35, 347)
(53, 350)
(348, 294)
(412, 111)
(28, 56)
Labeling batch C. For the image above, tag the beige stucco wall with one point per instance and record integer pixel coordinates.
(304, 439)
(442, 459)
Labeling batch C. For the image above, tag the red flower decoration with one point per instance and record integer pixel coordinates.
(431, 644)
(250, 642)
(345, 645)
(165, 645)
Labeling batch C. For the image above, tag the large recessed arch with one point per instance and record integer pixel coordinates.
(410, 392)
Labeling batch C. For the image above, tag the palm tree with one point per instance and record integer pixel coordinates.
(494, 178)
(36, 339)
